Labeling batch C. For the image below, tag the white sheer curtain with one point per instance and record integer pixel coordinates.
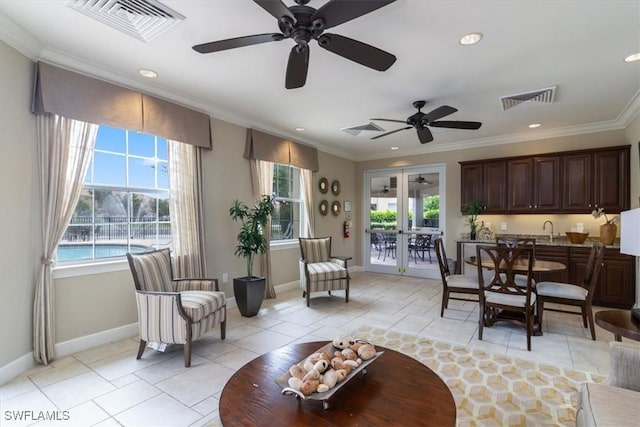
(309, 204)
(262, 179)
(64, 154)
(187, 224)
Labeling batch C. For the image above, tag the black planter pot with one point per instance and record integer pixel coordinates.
(249, 293)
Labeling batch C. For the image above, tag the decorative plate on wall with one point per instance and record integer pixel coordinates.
(324, 207)
(336, 208)
(324, 185)
(335, 187)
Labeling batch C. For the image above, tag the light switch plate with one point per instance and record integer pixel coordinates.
(503, 226)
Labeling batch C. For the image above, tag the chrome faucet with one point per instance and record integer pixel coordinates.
(544, 227)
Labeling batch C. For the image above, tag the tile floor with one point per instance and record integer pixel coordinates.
(107, 386)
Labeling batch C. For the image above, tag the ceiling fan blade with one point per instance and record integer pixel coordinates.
(391, 120)
(336, 12)
(389, 133)
(456, 124)
(297, 67)
(424, 135)
(275, 8)
(356, 51)
(237, 42)
(439, 113)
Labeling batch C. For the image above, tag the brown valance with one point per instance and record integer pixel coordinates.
(262, 146)
(80, 97)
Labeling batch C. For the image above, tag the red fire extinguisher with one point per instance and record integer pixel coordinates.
(345, 229)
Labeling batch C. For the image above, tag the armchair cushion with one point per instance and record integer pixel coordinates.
(316, 250)
(153, 271)
(200, 304)
(322, 271)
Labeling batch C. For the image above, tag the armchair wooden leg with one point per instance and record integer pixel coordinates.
(143, 345)
(187, 354)
(308, 292)
(346, 292)
(223, 330)
(445, 302)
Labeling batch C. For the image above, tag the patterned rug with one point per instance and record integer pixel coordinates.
(492, 389)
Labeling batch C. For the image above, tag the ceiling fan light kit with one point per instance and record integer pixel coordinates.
(302, 23)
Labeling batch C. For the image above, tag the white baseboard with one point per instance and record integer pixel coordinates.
(26, 362)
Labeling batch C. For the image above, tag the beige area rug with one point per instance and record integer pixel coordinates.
(492, 389)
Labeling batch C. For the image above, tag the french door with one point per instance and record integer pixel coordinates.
(406, 214)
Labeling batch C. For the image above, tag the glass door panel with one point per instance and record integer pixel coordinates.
(381, 251)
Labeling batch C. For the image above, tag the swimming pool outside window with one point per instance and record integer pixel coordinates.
(124, 204)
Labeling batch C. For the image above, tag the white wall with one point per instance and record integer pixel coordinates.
(19, 205)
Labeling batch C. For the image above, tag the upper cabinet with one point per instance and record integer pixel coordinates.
(567, 182)
(484, 182)
(533, 185)
(597, 179)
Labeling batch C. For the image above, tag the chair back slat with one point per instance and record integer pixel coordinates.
(315, 249)
(442, 258)
(152, 271)
(594, 265)
(514, 242)
(505, 259)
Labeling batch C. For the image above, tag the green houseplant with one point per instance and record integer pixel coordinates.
(471, 210)
(249, 290)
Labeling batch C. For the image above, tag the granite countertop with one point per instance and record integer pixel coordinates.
(543, 240)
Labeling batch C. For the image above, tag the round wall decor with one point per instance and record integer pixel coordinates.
(335, 187)
(324, 207)
(336, 208)
(324, 185)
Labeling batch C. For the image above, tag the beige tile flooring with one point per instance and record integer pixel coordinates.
(107, 386)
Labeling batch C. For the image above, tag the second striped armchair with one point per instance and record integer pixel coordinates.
(321, 271)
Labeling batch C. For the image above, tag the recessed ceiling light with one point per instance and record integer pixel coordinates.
(534, 125)
(631, 58)
(147, 73)
(395, 148)
(299, 129)
(471, 38)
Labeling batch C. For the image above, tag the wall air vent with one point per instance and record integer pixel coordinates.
(358, 129)
(541, 96)
(141, 19)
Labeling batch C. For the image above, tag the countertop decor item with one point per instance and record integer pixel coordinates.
(471, 210)
(577, 238)
(609, 229)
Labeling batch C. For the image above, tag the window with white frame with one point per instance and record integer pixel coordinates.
(288, 218)
(124, 203)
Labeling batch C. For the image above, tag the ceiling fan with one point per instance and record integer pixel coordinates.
(421, 122)
(422, 180)
(303, 23)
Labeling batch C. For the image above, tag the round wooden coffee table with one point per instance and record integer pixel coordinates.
(395, 390)
(620, 323)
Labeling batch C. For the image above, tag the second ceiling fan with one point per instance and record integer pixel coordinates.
(302, 24)
(422, 121)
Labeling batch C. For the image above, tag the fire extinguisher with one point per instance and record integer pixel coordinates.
(345, 229)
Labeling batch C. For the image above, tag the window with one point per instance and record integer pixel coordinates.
(288, 216)
(124, 203)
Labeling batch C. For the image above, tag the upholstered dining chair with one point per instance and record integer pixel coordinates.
(320, 270)
(174, 311)
(501, 294)
(576, 295)
(453, 283)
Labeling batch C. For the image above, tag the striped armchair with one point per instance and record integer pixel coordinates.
(319, 270)
(174, 311)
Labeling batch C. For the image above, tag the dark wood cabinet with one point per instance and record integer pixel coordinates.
(485, 182)
(566, 182)
(553, 253)
(596, 179)
(616, 284)
(533, 185)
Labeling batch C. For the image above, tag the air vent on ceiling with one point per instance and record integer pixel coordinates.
(142, 19)
(358, 129)
(541, 96)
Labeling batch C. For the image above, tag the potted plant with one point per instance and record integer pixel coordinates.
(249, 290)
(472, 209)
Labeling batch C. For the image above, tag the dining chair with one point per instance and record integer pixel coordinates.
(419, 245)
(501, 298)
(575, 295)
(453, 283)
(390, 246)
(170, 310)
(513, 242)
